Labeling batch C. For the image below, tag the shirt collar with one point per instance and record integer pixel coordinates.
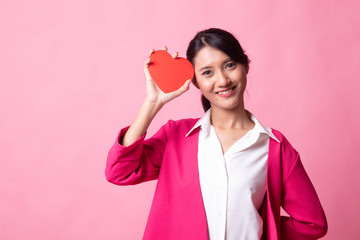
(203, 122)
(205, 125)
(261, 128)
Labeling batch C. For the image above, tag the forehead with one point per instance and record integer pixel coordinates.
(209, 56)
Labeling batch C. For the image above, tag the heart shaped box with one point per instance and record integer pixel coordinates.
(169, 73)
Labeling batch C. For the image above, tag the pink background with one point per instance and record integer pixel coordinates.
(71, 76)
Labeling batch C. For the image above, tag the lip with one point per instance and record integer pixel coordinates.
(227, 94)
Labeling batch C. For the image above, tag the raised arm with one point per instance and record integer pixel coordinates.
(155, 99)
(132, 159)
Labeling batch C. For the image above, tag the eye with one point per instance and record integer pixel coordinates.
(230, 65)
(207, 72)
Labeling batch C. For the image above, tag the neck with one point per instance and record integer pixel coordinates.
(236, 118)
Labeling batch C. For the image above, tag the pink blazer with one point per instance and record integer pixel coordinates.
(177, 211)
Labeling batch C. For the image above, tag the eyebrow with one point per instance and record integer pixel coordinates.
(206, 67)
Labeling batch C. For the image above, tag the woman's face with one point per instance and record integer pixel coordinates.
(220, 79)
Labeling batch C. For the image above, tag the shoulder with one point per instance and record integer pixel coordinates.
(186, 123)
(181, 126)
(283, 153)
(287, 152)
(284, 142)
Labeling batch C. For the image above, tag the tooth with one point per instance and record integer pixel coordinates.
(225, 92)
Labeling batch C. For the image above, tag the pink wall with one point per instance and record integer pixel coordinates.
(71, 76)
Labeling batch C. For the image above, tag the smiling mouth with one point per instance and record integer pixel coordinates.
(226, 91)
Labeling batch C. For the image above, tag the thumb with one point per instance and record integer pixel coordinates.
(183, 88)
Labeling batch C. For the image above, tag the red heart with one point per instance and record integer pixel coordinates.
(169, 73)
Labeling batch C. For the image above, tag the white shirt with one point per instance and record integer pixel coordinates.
(233, 185)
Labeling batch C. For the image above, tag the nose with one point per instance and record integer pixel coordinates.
(223, 80)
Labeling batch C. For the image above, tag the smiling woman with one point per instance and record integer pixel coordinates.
(224, 42)
(217, 75)
(225, 175)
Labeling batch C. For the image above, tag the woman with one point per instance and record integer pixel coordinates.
(224, 176)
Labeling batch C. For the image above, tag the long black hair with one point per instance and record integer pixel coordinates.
(221, 40)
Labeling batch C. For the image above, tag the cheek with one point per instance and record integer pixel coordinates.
(243, 82)
(241, 76)
(204, 84)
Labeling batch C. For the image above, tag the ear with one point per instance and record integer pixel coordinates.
(247, 68)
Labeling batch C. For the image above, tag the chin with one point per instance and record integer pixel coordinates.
(227, 107)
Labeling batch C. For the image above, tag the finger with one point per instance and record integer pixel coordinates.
(187, 83)
(151, 51)
(147, 62)
(183, 88)
(146, 69)
(165, 48)
(175, 55)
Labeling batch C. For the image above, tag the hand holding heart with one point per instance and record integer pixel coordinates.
(155, 96)
(153, 92)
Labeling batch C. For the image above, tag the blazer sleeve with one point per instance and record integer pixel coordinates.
(138, 162)
(299, 199)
